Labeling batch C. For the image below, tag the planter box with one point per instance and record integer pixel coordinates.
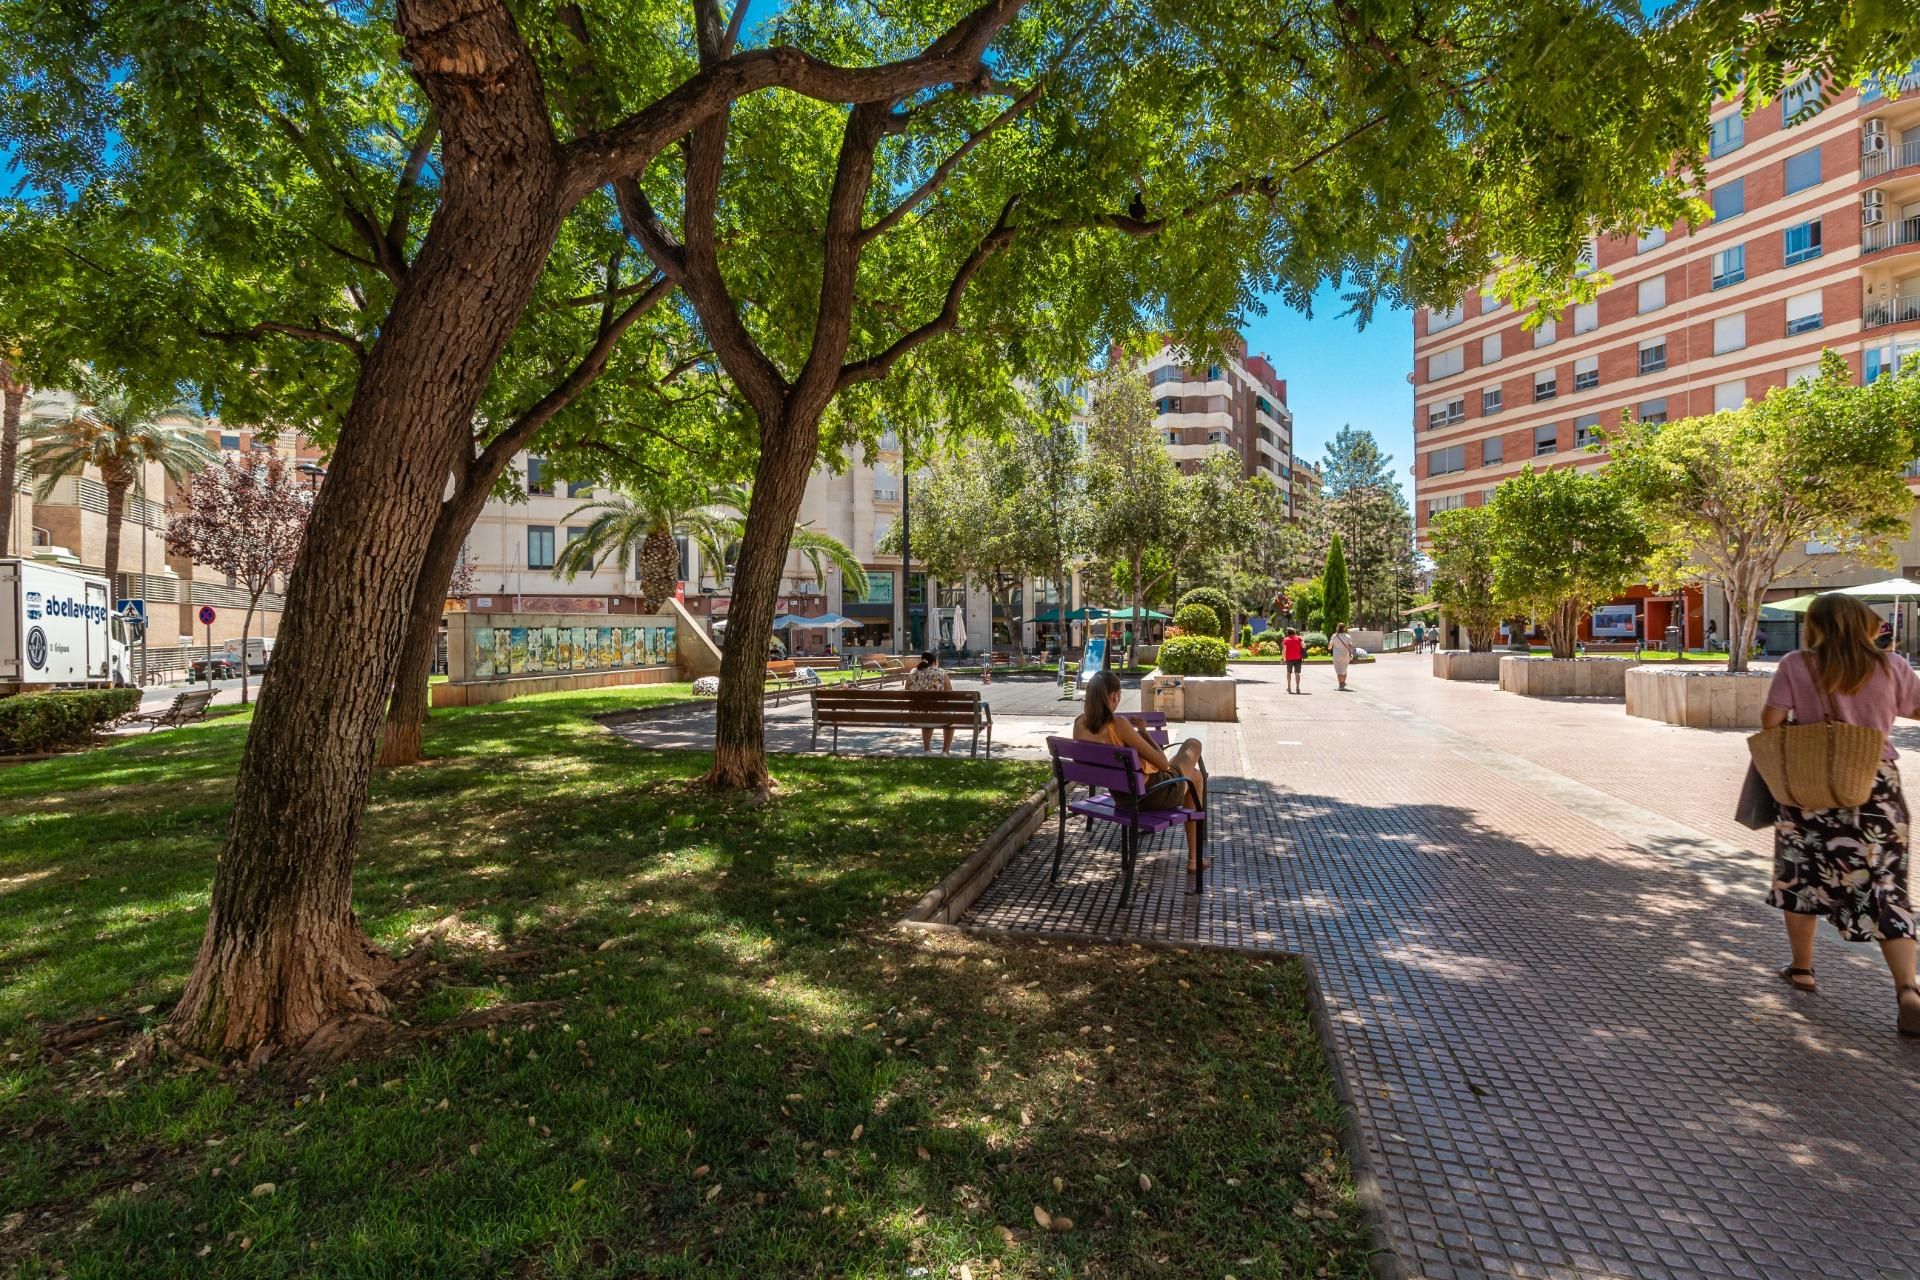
(1458, 664)
(1698, 699)
(1566, 677)
(1200, 697)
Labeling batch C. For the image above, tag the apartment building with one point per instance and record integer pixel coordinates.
(1238, 407)
(1814, 244)
(69, 526)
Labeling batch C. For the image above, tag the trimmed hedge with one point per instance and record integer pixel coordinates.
(31, 723)
(1315, 640)
(1194, 656)
(1215, 599)
(1197, 620)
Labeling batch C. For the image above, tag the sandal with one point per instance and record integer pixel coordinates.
(1788, 974)
(1909, 1023)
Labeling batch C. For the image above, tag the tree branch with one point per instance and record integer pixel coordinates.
(627, 148)
(944, 170)
(315, 332)
(408, 184)
(511, 440)
(877, 366)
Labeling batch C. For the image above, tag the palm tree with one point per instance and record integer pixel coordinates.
(644, 526)
(107, 427)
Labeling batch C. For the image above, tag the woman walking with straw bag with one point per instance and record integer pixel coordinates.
(1847, 859)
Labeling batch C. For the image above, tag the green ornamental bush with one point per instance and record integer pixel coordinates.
(1191, 655)
(1215, 599)
(1316, 640)
(31, 723)
(1246, 635)
(1197, 620)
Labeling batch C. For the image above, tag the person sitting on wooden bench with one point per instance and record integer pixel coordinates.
(928, 677)
(1099, 723)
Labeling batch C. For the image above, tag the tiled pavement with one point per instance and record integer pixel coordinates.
(1548, 972)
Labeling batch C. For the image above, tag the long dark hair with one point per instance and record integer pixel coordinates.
(1840, 632)
(1095, 713)
(928, 659)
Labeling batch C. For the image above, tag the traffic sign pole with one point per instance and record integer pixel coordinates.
(207, 616)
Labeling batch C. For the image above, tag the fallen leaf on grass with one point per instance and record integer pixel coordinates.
(857, 1131)
(1146, 1183)
(263, 1189)
(1006, 1235)
(579, 1185)
(713, 1191)
(1042, 1217)
(922, 1152)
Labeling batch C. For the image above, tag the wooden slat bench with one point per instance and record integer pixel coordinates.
(869, 708)
(185, 709)
(1610, 646)
(780, 678)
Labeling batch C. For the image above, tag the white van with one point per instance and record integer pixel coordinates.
(58, 628)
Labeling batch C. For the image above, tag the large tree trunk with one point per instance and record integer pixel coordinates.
(1563, 629)
(779, 483)
(400, 738)
(1744, 590)
(1139, 619)
(283, 955)
(14, 395)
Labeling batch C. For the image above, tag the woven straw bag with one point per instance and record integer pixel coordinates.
(1828, 765)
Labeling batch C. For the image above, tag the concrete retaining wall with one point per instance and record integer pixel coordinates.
(1698, 699)
(1201, 697)
(1565, 677)
(1458, 664)
(476, 693)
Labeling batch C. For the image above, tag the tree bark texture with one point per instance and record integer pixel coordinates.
(14, 395)
(283, 954)
(779, 483)
(400, 739)
(1563, 628)
(1139, 620)
(116, 510)
(246, 629)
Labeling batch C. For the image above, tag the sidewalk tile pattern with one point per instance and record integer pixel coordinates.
(1567, 1053)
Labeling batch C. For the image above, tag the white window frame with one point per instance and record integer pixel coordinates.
(1650, 239)
(1805, 311)
(1451, 316)
(1444, 364)
(1729, 333)
(1490, 349)
(1724, 398)
(1586, 317)
(1586, 373)
(1652, 294)
(1546, 334)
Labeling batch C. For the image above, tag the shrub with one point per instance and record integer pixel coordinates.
(1194, 656)
(1268, 648)
(34, 722)
(1315, 640)
(1215, 599)
(1317, 651)
(1197, 620)
(1246, 635)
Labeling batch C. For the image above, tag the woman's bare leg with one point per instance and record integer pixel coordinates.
(1800, 931)
(1186, 762)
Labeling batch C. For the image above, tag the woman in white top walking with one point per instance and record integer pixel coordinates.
(1341, 647)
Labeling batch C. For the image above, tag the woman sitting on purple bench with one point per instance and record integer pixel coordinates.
(1099, 723)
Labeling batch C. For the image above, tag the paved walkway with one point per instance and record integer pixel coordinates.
(1549, 975)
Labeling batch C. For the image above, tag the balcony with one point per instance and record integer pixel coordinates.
(1889, 234)
(1874, 90)
(1904, 156)
(1904, 310)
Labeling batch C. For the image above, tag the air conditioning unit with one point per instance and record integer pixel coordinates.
(1873, 138)
(1873, 208)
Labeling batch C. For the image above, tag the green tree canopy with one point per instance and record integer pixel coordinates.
(1736, 497)
(1565, 540)
(1461, 543)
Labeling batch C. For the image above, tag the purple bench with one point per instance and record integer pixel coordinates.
(1100, 767)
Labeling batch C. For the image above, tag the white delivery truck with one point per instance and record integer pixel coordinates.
(58, 627)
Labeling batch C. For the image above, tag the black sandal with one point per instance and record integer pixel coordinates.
(1788, 974)
(1909, 1023)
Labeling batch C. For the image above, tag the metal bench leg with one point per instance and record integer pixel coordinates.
(1060, 840)
(1129, 842)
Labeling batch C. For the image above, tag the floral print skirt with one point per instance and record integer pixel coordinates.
(1849, 865)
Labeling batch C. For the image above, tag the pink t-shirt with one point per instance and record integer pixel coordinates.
(1892, 691)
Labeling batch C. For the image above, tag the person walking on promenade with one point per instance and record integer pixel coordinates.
(1849, 865)
(1341, 647)
(930, 677)
(1294, 650)
(1419, 638)
(1098, 722)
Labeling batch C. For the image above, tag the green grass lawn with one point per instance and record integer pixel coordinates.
(749, 1072)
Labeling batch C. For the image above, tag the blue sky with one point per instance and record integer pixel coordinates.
(1337, 374)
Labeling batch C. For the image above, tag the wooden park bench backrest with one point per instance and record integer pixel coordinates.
(781, 670)
(1099, 765)
(895, 706)
(187, 706)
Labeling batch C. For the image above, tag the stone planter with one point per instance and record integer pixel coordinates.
(1566, 677)
(1458, 664)
(1200, 697)
(1709, 699)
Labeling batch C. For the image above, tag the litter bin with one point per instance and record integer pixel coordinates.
(1673, 641)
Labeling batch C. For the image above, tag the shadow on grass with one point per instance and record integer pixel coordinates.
(751, 1069)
